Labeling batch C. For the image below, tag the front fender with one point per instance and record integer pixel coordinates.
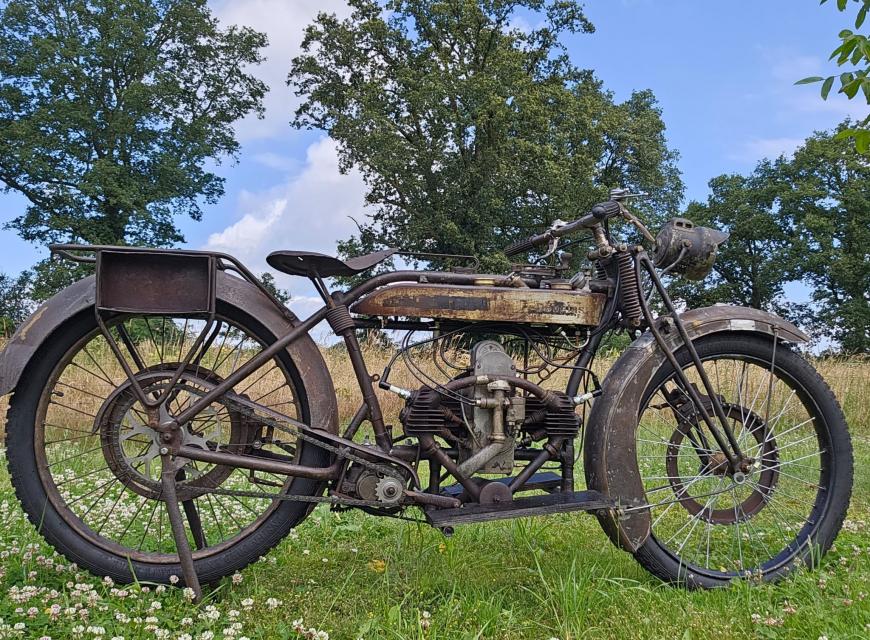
(79, 297)
(610, 460)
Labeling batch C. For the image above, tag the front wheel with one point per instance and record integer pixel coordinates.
(710, 525)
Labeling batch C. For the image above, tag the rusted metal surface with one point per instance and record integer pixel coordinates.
(610, 449)
(522, 507)
(24, 343)
(160, 282)
(258, 463)
(176, 523)
(80, 297)
(502, 304)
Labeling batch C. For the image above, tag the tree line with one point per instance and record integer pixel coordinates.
(470, 129)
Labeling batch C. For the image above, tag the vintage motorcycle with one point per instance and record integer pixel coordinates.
(170, 417)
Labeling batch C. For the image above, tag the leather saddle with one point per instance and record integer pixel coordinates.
(308, 264)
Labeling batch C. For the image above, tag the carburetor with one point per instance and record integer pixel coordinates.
(497, 414)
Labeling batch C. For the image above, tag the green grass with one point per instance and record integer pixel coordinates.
(353, 575)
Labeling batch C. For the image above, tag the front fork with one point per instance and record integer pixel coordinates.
(717, 423)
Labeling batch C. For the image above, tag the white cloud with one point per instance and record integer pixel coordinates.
(311, 210)
(284, 22)
(787, 67)
(771, 148)
(798, 110)
(837, 105)
(276, 161)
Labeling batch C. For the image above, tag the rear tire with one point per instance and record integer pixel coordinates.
(84, 546)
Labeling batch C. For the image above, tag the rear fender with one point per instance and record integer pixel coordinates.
(79, 297)
(610, 460)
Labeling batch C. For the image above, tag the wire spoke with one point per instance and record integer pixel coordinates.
(746, 523)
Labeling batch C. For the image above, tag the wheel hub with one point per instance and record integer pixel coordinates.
(132, 446)
(759, 474)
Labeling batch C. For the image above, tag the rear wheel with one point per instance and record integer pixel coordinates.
(710, 525)
(86, 468)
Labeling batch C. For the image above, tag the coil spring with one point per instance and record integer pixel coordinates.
(629, 292)
(339, 319)
(600, 272)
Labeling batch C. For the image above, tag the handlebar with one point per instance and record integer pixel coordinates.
(599, 213)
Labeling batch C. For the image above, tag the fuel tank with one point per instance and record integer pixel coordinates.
(484, 304)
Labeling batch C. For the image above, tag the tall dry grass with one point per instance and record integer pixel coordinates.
(849, 378)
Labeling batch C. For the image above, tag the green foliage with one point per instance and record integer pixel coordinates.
(15, 303)
(111, 111)
(51, 275)
(268, 281)
(469, 132)
(854, 50)
(803, 218)
(829, 198)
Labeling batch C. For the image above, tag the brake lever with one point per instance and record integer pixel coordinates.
(554, 239)
(551, 247)
(624, 194)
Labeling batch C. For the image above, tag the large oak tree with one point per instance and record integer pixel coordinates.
(469, 130)
(112, 113)
(800, 218)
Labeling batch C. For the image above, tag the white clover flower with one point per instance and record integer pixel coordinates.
(173, 579)
(237, 578)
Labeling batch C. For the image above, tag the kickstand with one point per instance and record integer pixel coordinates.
(182, 546)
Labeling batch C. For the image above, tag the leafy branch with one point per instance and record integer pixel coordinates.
(854, 51)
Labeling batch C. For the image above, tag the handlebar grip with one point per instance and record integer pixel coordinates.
(525, 245)
(604, 210)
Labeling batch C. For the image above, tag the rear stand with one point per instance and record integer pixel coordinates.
(182, 546)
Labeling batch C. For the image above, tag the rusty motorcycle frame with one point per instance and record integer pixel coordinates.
(481, 422)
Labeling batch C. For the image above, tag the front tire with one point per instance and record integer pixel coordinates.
(709, 527)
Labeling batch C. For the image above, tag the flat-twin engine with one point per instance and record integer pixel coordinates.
(485, 420)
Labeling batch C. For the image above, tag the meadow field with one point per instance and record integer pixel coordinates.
(350, 575)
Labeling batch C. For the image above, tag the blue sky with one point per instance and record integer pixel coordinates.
(723, 72)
